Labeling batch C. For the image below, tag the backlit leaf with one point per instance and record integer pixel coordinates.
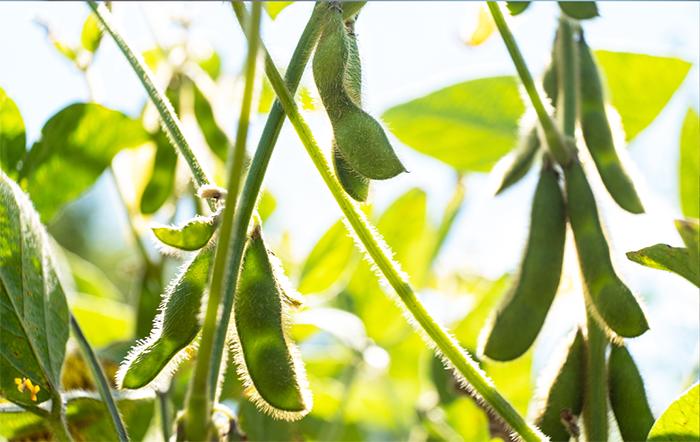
(12, 136)
(689, 170)
(665, 257)
(162, 181)
(680, 421)
(327, 261)
(92, 34)
(274, 8)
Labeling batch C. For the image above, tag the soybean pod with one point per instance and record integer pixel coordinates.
(516, 164)
(610, 299)
(269, 362)
(174, 328)
(360, 138)
(598, 135)
(519, 320)
(628, 399)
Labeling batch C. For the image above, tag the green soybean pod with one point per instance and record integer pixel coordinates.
(269, 362)
(519, 320)
(627, 396)
(612, 301)
(193, 235)
(598, 135)
(550, 79)
(174, 328)
(579, 10)
(360, 138)
(514, 166)
(565, 391)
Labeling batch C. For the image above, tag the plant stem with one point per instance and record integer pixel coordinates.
(165, 417)
(58, 425)
(555, 141)
(568, 67)
(171, 124)
(100, 379)
(595, 405)
(390, 269)
(201, 395)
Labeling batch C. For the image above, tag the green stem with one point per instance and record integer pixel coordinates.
(568, 67)
(100, 379)
(390, 269)
(202, 392)
(556, 143)
(595, 404)
(165, 417)
(167, 114)
(58, 425)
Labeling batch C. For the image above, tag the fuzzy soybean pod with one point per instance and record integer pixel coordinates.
(360, 138)
(566, 391)
(174, 328)
(269, 362)
(610, 299)
(519, 320)
(627, 396)
(516, 164)
(354, 184)
(598, 135)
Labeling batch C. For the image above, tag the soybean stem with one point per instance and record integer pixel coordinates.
(555, 141)
(202, 392)
(390, 269)
(171, 124)
(58, 424)
(595, 405)
(100, 379)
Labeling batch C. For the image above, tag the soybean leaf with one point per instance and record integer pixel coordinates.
(629, 77)
(86, 415)
(92, 34)
(162, 181)
(211, 65)
(468, 126)
(193, 235)
(12, 136)
(33, 307)
(689, 230)
(346, 327)
(76, 146)
(266, 205)
(689, 172)
(216, 138)
(516, 8)
(274, 8)
(579, 10)
(103, 320)
(680, 421)
(327, 261)
(665, 257)
(90, 279)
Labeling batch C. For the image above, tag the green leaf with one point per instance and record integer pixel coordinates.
(86, 416)
(216, 138)
(103, 320)
(680, 421)
(516, 8)
(13, 139)
(629, 77)
(211, 65)
(33, 308)
(689, 172)
(579, 10)
(468, 126)
(90, 279)
(193, 235)
(689, 230)
(92, 34)
(665, 257)
(327, 261)
(266, 205)
(162, 181)
(77, 144)
(274, 8)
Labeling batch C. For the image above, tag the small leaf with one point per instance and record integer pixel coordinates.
(579, 10)
(211, 65)
(665, 257)
(216, 138)
(274, 8)
(92, 34)
(76, 146)
(469, 126)
(516, 8)
(192, 236)
(33, 307)
(266, 205)
(162, 181)
(327, 261)
(689, 172)
(13, 140)
(629, 77)
(680, 421)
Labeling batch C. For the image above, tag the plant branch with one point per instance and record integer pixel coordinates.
(202, 392)
(555, 141)
(100, 379)
(58, 424)
(390, 269)
(595, 405)
(171, 124)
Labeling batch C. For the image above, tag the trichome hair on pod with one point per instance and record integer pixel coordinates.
(268, 361)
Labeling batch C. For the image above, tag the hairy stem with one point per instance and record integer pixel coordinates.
(555, 141)
(201, 394)
(595, 404)
(100, 379)
(58, 424)
(171, 124)
(390, 269)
